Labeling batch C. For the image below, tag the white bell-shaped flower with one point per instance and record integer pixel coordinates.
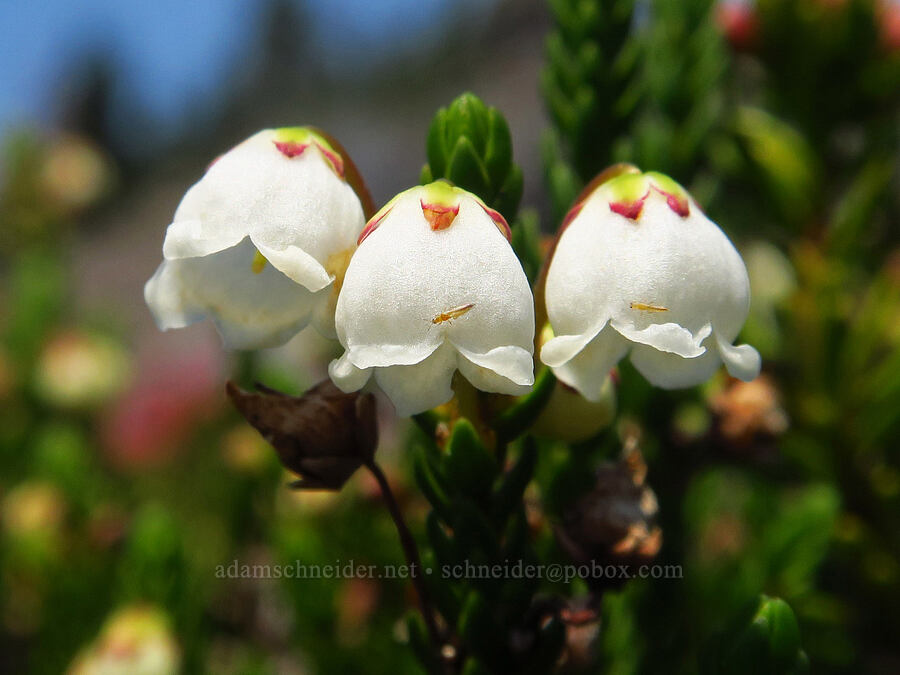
(434, 287)
(261, 242)
(638, 267)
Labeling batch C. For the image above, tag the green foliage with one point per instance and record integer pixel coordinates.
(469, 144)
(589, 83)
(626, 87)
(152, 568)
(826, 64)
(516, 419)
(34, 303)
(784, 160)
(478, 522)
(765, 640)
(526, 242)
(684, 67)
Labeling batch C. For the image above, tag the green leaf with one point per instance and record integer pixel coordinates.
(784, 159)
(479, 632)
(498, 151)
(465, 168)
(507, 199)
(763, 640)
(436, 147)
(516, 419)
(467, 117)
(563, 184)
(153, 567)
(421, 645)
(443, 544)
(475, 667)
(511, 487)
(473, 531)
(470, 145)
(35, 297)
(856, 208)
(526, 242)
(469, 464)
(445, 595)
(431, 486)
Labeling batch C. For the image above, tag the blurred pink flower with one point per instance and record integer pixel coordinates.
(171, 396)
(889, 16)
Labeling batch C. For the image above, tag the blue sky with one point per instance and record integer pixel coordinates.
(171, 52)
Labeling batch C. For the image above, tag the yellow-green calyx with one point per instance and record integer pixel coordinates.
(627, 193)
(440, 205)
(626, 189)
(293, 141)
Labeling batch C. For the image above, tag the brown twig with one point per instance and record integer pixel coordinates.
(411, 552)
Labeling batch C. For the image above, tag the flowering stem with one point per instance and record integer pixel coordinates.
(410, 551)
(246, 368)
(515, 420)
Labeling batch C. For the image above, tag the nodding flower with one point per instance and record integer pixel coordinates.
(261, 242)
(433, 288)
(639, 268)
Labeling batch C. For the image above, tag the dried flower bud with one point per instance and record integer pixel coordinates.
(615, 522)
(323, 436)
(747, 410)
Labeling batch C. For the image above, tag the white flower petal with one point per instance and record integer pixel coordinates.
(383, 356)
(276, 195)
(657, 269)
(503, 370)
(562, 348)
(589, 368)
(605, 265)
(254, 189)
(667, 337)
(670, 371)
(347, 376)
(238, 334)
(297, 265)
(417, 388)
(309, 207)
(418, 289)
(741, 361)
(193, 238)
(251, 310)
(162, 293)
(406, 276)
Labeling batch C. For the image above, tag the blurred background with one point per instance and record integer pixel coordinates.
(125, 480)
